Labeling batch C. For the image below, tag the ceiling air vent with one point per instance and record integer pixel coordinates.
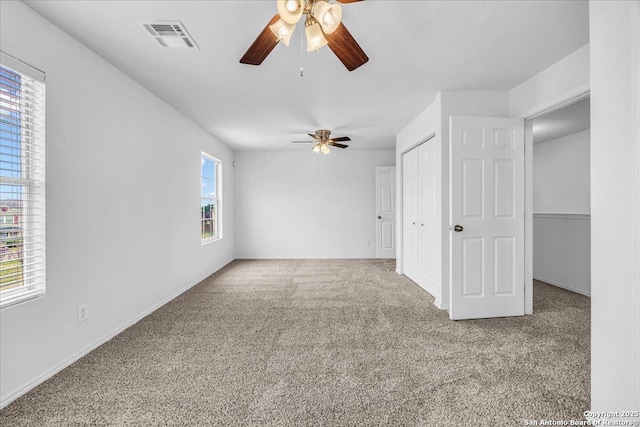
(170, 34)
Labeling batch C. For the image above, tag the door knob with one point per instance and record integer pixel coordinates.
(458, 228)
(379, 217)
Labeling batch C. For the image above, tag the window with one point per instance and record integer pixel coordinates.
(210, 199)
(22, 262)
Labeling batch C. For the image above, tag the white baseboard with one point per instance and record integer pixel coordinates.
(560, 285)
(33, 384)
(300, 257)
(442, 306)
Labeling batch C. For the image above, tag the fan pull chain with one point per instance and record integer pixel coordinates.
(301, 55)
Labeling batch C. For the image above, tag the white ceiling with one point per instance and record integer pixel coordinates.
(416, 48)
(565, 121)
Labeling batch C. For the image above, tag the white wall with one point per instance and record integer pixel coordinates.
(123, 182)
(298, 204)
(561, 174)
(425, 125)
(434, 121)
(566, 79)
(562, 251)
(488, 104)
(563, 80)
(561, 203)
(615, 205)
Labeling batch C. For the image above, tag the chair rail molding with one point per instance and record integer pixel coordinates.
(562, 215)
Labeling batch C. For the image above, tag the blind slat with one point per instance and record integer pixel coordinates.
(21, 281)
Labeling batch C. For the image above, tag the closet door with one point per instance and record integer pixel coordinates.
(410, 213)
(427, 220)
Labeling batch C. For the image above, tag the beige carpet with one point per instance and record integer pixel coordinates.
(327, 343)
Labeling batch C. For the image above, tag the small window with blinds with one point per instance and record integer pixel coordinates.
(210, 199)
(22, 258)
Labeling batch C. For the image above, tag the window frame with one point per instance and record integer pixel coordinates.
(32, 93)
(217, 199)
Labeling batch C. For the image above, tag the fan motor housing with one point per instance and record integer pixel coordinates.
(323, 133)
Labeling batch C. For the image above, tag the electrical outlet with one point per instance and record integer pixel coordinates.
(367, 243)
(83, 313)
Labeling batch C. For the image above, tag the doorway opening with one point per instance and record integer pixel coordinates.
(561, 198)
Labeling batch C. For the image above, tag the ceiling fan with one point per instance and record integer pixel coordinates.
(323, 141)
(322, 26)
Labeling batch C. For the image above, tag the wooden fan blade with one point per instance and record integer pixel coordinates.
(314, 136)
(341, 138)
(348, 1)
(348, 51)
(262, 46)
(335, 144)
(303, 142)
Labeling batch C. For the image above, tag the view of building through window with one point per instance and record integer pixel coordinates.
(209, 198)
(11, 239)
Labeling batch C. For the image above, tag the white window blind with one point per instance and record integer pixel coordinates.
(22, 191)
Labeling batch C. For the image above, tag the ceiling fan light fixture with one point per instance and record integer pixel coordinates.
(328, 15)
(283, 31)
(322, 141)
(323, 26)
(315, 38)
(290, 10)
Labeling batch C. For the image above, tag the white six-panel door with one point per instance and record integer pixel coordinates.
(385, 211)
(487, 197)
